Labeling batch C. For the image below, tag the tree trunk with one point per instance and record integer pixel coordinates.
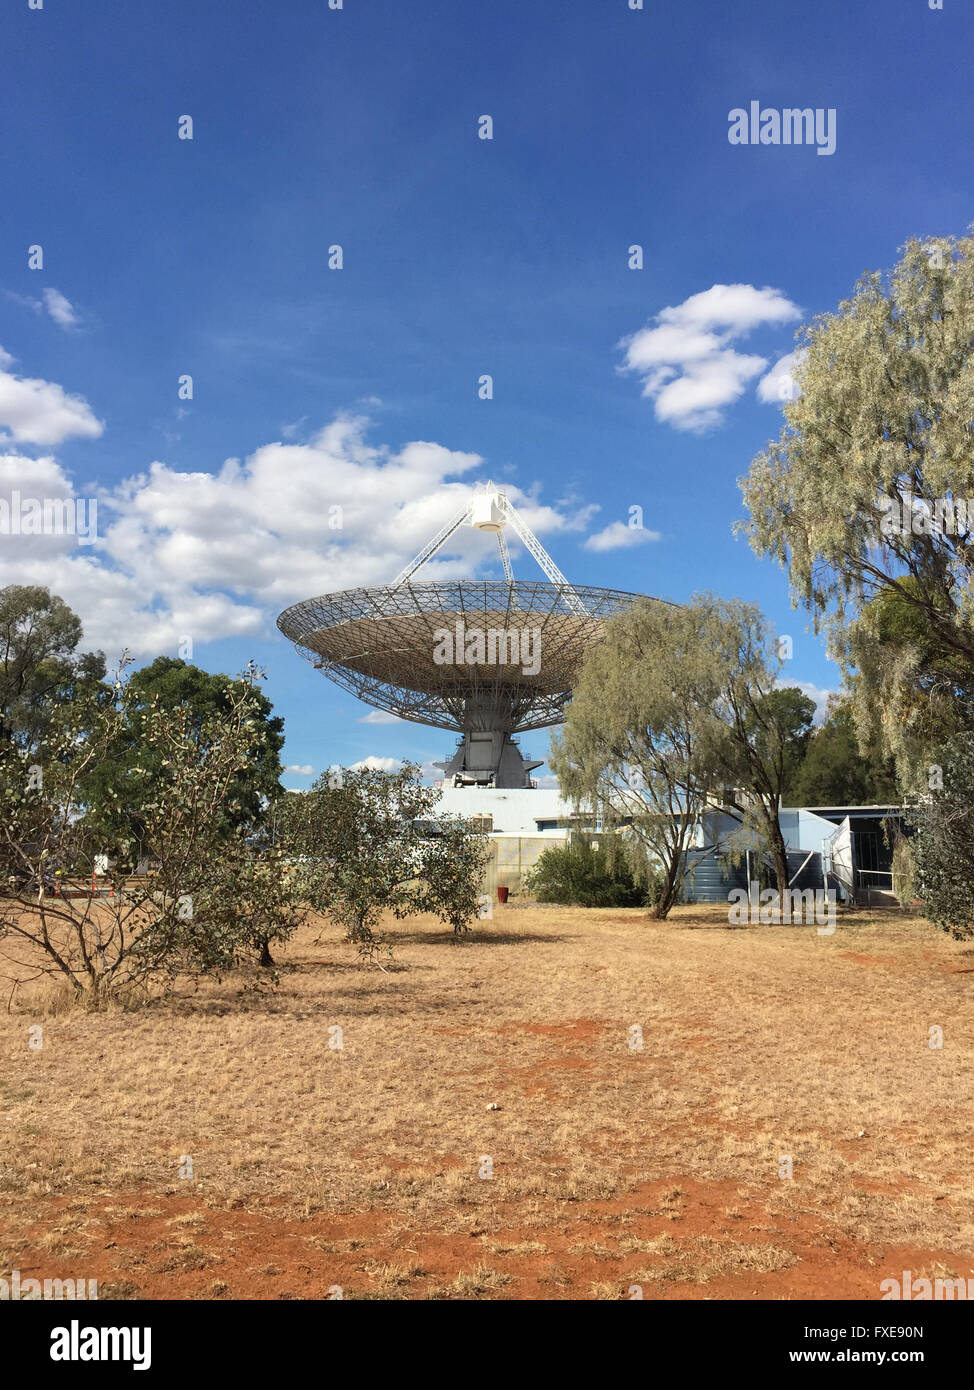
(265, 954)
(670, 890)
(780, 854)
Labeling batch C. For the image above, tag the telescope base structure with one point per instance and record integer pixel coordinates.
(488, 758)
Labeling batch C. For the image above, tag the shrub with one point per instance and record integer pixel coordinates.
(583, 873)
(368, 842)
(943, 848)
(202, 901)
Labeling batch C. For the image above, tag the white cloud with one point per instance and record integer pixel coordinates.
(779, 384)
(300, 769)
(53, 303)
(375, 764)
(685, 359)
(569, 514)
(60, 309)
(218, 555)
(41, 479)
(41, 412)
(619, 536)
(381, 716)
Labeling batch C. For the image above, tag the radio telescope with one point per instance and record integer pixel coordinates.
(486, 658)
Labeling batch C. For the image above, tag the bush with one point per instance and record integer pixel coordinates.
(582, 874)
(943, 848)
(368, 843)
(205, 900)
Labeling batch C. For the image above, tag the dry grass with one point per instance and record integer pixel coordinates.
(379, 1170)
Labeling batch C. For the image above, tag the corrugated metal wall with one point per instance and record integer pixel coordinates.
(511, 858)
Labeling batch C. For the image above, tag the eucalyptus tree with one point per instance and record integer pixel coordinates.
(756, 728)
(41, 671)
(679, 709)
(867, 496)
(943, 846)
(631, 750)
(835, 772)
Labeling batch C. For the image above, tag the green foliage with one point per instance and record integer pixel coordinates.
(847, 497)
(943, 846)
(584, 874)
(632, 748)
(39, 671)
(780, 728)
(678, 708)
(250, 898)
(366, 842)
(903, 864)
(204, 900)
(758, 730)
(931, 697)
(835, 773)
(118, 789)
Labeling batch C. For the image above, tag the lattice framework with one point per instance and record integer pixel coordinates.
(379, 644)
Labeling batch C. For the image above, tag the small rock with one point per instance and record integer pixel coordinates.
(493, 1105)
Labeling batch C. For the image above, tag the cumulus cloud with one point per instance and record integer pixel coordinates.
(381, 716)
(430, 773)
(300, 769)
(685, 358)
(29, 480)
(780, 383)
(618, 536)
(33, 411)
(374, 764)
(218, 555)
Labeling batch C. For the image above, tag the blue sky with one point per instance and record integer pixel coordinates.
(359, 127)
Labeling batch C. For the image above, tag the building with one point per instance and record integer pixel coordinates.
(522, 823)
(839, 847)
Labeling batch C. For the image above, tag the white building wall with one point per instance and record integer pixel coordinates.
(802, 830)
(516, 811)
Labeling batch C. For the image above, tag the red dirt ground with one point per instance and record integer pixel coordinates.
(246, 1253)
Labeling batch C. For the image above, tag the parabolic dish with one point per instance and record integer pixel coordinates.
(380, 643)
